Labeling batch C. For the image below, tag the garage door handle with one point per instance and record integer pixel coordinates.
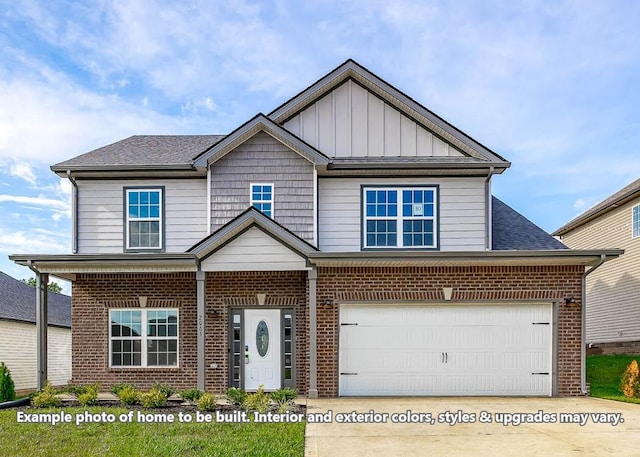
(348, 323)
(445, 357)
(348, 374)
(547, 374)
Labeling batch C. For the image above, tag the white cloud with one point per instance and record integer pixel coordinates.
(24, 171)
(40, 200)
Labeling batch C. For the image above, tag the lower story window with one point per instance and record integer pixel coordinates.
(143, 338)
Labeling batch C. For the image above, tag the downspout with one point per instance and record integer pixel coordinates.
(74, 213)
(488, 210)
(583, 324)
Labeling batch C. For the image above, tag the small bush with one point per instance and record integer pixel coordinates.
(129, 395)
(46, 398)
(630, 384)
(7, 387)
(191, 395)
(116, 388)
(89, 395)
(207, 402)
(258, 401)
(284, 395)
(166, 389)
(155, 398)
(236, 396)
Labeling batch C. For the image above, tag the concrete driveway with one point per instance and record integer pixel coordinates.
(453, 427)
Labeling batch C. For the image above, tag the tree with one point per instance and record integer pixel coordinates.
(53, 286)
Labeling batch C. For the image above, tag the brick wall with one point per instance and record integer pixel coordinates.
(488, 283)
(93, 296)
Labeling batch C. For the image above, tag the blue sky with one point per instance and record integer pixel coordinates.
(550, 85)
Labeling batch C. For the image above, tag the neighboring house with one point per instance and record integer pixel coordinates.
(345, 244)
(18, 334)
(613, 291)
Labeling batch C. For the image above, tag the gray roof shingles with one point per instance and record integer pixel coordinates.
(18, 303)
(514, 232)
(145, 150)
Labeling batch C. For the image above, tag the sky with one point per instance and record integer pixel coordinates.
(552, 86)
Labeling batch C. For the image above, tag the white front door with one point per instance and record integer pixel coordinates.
(262, 349)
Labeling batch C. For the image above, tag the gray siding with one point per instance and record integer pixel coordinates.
(613, 290)
(100, 213)
(462, 213)
(352, 122)
(263, 159)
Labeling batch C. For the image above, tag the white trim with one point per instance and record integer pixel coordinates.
(208, 224)
(399, 218)
(160, 218)
(635, 234)
(144, 338)
(271, 202)
(315, 207)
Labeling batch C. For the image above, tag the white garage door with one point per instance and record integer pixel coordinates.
(445, 350)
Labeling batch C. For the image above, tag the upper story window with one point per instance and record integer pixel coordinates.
(400, 217)
(262, 198)
(635, 221)
(143, 338)
(144, 218)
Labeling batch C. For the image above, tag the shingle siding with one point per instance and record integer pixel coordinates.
(263, 159)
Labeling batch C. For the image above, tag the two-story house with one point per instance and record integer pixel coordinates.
(347, 243)
(613, 292)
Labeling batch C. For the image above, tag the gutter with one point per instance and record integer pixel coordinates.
(583, 326)
(74, 213)
(488, 210)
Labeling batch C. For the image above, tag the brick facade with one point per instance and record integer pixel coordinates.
(95, 294)
(490, 283)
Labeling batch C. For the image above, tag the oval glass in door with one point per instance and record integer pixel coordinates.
(262, 338)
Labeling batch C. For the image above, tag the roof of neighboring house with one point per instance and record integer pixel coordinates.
(144, 150)
(606, 205)
(18, 303)
(513, 231)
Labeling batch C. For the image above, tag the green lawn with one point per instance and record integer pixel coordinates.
(139, 439)
(604, 373)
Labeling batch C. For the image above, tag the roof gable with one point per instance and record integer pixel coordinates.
(244, 221)
(259, 123)
(350, 70)
(18, 303)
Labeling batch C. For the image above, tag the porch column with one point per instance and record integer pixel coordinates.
(200, 300)
(313, 332)
(42, 299)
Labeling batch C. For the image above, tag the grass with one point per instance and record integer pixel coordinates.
(145, 439)
(604, 373)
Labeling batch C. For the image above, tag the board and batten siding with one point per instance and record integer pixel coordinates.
(461, 211)
(254, 250)
(18, 351)
(263, 159)
(613, 290)
(350, 121)
(101, 211)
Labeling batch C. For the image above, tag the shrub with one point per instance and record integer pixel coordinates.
(166, 389)
(236, 396)
(207, 402)
(89, 395)
(191, 395)
(7, 387)
(129, 395)
(258, 401)
(116, 388)
(630, 384)
(155, 398)
(284, 395)
(46, 398)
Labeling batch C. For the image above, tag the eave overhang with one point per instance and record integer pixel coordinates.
(131, 171)
(462, 258)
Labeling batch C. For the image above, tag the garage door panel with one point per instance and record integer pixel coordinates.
(445, 350)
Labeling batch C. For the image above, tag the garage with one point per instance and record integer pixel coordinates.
(453, 349)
